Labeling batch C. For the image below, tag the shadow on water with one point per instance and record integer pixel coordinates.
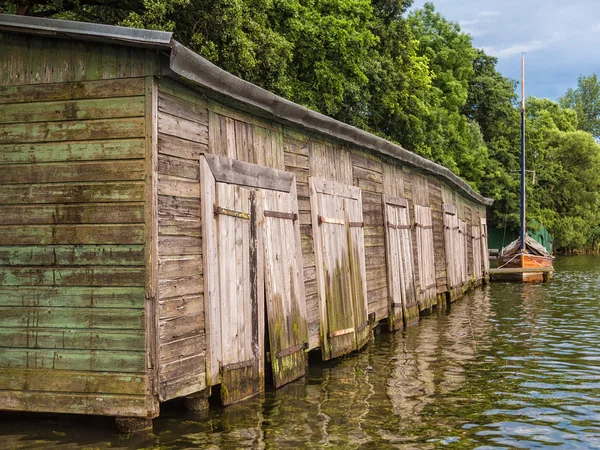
(508, 366)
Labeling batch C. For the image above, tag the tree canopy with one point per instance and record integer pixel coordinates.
(412, 77)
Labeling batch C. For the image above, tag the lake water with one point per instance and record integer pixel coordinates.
(507, 366)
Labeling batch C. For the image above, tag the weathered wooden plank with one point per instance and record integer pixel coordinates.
(179, 91)
(210, 254)
(226, 170)
(66, 359)
(178, 207)
(65, 255)
(185, 305)
(94, 213)
(72, 91)
(182, 128)
(332, 188)
(15, 67)
(175, 146)
(190, 365)
(168, 165)
(72, 193)
(35, 66)
(71, 234)
(178, 187)
(331, 163)
(71, 151)
(179, 245)
(109, 61)
(182, 108)
(295, 143)
(366, 161)
(129, 170)
(179, 226)
(189, 383)
(75, 403)
(284, 288)
(179, 266)
(71, 381)
(73, 296)
(79, 130)
(183, 358)
(375, 177)
(174, 287)
(180, 327)
(71, 276)
(32, 317)
(72, 110)
(78, 56)
(72, 338)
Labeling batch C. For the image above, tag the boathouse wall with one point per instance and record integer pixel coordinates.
(154, 230)
(75, 227)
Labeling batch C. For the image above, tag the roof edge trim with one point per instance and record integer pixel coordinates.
(84, 30)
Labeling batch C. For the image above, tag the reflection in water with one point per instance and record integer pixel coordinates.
(508, 366)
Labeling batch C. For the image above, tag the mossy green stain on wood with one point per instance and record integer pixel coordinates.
(72, 193)
(72, 276)
(66, 359)
(80, 255)
(73, 296)
(72, 110)
(74, 130)
(71, 381)
(128, 170)
(72, 91)
(73, 338)
(52, 317)
(72, 151)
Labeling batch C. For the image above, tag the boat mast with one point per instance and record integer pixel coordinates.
(523, 224)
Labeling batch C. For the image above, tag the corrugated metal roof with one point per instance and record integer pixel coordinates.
(191, 67)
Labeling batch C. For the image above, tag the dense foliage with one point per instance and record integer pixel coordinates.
(412, 77)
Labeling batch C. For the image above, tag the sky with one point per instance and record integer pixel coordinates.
(560, 38)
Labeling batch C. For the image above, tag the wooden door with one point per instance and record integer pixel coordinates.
(358, 268)
(234, 298)
(463, 254)
(426, 258)
(477, 252)
(284, 286)
(450, 233)
(485, 254)
(400, 266)
(251, 246)
(341, 275)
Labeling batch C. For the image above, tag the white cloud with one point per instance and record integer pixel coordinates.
(466, 23)
(515, 49)
(489, 13)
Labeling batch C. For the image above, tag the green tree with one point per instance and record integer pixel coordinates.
(585, 100)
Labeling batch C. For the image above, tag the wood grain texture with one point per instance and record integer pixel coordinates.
(284, 287)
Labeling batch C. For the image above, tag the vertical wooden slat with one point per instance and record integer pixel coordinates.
(151, 238)
(212, 300)
(109, 62)
(35, 66)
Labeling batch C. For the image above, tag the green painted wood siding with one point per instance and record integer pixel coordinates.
(73, 167)
(29, 60)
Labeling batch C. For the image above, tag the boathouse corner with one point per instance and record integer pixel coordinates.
(166, 227)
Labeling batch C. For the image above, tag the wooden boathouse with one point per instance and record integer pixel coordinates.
(166, 227)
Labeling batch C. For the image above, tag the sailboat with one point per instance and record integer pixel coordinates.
(527, 258)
